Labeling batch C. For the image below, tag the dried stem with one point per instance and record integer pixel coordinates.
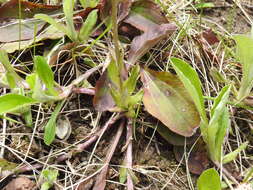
(129, 154)
(101, 178)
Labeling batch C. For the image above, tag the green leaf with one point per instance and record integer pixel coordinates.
(89, 3)
(39, 93)
(12, 77)
(166, 98)
(50, 177)
(122, 174)
(130, 83)
(222, 125)
(209, 180)
(12, 102)
(88, 26)
(191, 81)
(46, 186)
(218, 124)
(68, 9)
(245, 55)
(11, 80)
(112, 71)
(172, 137)
(31, 80)
(219, 104)
(135, 99)
(45, 74)
(204, 5)
(53, 22)
(232, 155)
(50, 127)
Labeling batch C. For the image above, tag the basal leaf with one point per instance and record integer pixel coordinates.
(219, 104)
(12, 102)
(28, 9)
(68, 9)
(53, 22)
(49, 33)
(88, 26)
(23, 30)
(232, 155)
(222, 126)
(143, 43)
(218, 124)
(149, 10)
(124, 9)
(50, 128)
(103, 100)
(209, 180)
(190, 79)
(174, 138)
(244, 46)
(45, 73)
(166, 98)
(4, 60)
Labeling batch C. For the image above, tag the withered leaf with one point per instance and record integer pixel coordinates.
(19, 31)
(28, 9)
(149, 10)
(141, 44)
(124, 9)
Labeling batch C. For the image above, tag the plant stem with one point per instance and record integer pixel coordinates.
(116, 41)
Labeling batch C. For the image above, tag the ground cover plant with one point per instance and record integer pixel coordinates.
(122, 94)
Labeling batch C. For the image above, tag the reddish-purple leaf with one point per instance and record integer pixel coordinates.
(149, 10)
(166, 98)
(28, 9)
(145, 15)
(103, 100)
(124, 9)
(143, 43)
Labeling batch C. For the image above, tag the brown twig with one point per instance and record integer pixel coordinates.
(101, 178)
(129, 154)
